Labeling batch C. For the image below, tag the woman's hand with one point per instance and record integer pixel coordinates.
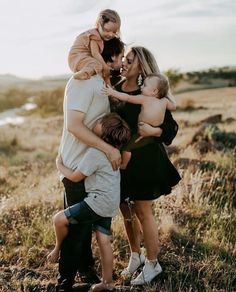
(146, 130)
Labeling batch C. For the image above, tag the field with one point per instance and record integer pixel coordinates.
(196, 222)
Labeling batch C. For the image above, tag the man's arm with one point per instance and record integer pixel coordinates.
(74, 176)
(135, 99)
(76, 126)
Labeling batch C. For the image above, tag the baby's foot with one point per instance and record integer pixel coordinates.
(53, 256)
(102, 287)
(80, 75)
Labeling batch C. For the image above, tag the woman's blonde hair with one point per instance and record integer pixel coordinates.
(108, 15)
(147, 62)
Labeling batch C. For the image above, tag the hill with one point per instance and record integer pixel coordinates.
(196, 221)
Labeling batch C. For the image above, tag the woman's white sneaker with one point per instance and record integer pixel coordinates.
(148, 273)
(135, 261)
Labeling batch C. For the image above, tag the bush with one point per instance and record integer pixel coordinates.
(50, 102)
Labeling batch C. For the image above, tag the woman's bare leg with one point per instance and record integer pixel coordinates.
(60, 222)
(143, 210)
(133, 230)
(132, 227)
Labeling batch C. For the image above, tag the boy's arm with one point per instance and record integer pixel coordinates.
(76, 126)
(74, 176)
(136, 99)
(96, 55)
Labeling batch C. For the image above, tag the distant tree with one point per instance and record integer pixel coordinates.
(174, 77)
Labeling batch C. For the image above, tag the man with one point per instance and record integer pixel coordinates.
(84, 104)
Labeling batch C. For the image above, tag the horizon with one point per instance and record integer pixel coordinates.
(65, 74)
(188, 36)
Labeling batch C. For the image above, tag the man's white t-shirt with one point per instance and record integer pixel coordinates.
(84, 96)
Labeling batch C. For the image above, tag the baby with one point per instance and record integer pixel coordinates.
(153, 101)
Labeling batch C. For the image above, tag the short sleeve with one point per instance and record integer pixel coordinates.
(79, 94)
(90, 162)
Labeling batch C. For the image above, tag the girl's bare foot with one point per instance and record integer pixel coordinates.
(102, 287)
(80, 75)
(53, 256)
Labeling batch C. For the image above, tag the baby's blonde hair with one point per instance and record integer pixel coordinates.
(108, 15)
(162, 84)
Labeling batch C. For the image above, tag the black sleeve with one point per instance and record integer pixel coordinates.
(169, 128)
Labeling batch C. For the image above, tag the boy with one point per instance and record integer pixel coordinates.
(102, 185)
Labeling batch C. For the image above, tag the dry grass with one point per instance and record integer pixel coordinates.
(196, 222)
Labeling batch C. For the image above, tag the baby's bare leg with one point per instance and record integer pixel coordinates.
(61, 223)
(84, 74)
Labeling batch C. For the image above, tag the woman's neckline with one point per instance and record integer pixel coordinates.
(128, 90)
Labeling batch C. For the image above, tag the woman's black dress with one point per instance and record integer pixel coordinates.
(149, 173)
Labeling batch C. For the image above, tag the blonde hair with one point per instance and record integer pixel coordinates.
(162, 84)
(147, 62)
(108, 15)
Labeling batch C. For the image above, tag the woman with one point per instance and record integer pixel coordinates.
(144, 179)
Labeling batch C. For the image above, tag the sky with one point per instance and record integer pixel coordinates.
(36, 35)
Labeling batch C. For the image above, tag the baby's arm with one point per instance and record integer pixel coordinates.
(170, 105)
(136, 99)
(74, 176)
(96, 55)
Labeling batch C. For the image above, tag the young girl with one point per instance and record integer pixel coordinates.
(153, 101)
(102, 202)
(85, 55)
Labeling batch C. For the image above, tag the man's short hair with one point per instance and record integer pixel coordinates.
(113, 47)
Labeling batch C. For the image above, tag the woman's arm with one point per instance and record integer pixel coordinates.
(146, 130)
(74, 176)
(136, 99)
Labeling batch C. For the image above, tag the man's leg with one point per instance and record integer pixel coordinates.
(76, 253)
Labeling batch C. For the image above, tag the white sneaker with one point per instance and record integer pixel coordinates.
(135, 261)
(148, 273)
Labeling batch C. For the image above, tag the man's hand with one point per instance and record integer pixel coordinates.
(146, 130)
(58, 161)
(114, 157)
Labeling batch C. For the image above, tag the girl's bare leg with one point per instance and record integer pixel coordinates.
(104, 243)
(61, 223)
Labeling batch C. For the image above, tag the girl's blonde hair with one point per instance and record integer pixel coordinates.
(108, 15)
(147, 62)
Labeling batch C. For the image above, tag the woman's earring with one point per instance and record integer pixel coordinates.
(140, 79)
